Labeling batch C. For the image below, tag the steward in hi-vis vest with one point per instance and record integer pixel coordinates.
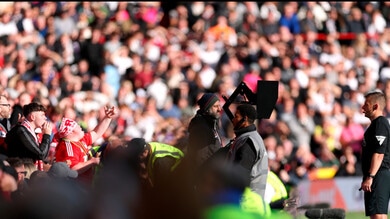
(157, 160)
(158, 151)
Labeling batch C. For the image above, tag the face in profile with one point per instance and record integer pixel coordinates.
(215, 110)
(144, 154)
(39, 118)
(5, 108)
(238, 120)
(78, 131)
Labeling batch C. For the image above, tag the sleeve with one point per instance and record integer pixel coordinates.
(198, 136)
(45, 146)
(382, 130)
(28, 142)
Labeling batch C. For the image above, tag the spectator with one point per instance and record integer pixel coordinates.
(8, 26)
(252, 77)
(38, 178)
(356, 21)
(308, 22)
(351, 135)
(349, 164)
(319, 13)
(29, 166)
(5, 125)
(93, 51)
(61, 170)
(57, 194)
(325, 135)
(8, 183)
(223, 32)
(150, 118)
(23, 98)
(23, 141)
(18, 165)
(299, 134)
(64, 24)
(299, 167)
(289, 19)
(327, 158)
(74, 145)
(270, 21)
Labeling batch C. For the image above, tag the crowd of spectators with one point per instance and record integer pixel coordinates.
(153, 60)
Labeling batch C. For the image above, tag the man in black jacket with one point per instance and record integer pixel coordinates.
(23, 141)
(204, 139)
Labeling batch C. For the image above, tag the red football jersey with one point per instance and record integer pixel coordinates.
(73, 152)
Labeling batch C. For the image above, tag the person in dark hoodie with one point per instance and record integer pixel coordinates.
(204, 139)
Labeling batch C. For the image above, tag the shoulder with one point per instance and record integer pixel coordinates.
(197, 117)
(17, 128)
(198, 120)
(61, 144)
(382, 121)
(87, 138)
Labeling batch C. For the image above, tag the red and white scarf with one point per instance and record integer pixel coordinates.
(27, 124)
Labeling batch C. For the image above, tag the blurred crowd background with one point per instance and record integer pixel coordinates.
(153, 60)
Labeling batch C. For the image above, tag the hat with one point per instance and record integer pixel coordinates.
(61, 170)
(207, 100)
(136, 145)
(37, 177)
(66, 127)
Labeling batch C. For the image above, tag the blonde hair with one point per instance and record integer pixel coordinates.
(29, 166)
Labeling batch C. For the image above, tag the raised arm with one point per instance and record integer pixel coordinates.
(99, 130)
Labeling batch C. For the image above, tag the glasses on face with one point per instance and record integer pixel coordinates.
(5, 104)
(23, 172)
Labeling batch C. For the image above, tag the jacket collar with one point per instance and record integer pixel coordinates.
(245, 130)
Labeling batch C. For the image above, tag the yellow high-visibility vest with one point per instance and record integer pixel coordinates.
(278, 186)
(159, 150)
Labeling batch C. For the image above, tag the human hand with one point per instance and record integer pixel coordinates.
(95, 160)
(47, 128)
(366, 184)
(110, 111)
